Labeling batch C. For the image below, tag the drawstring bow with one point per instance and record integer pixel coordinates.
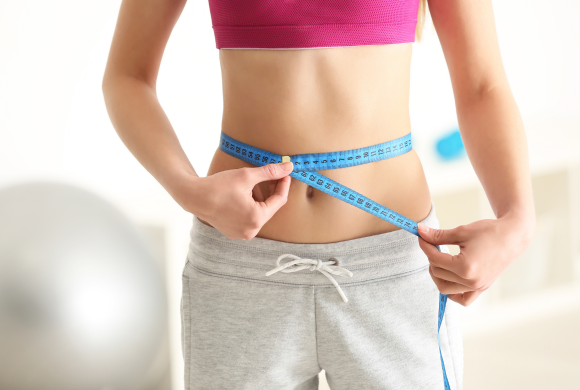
(324, 267)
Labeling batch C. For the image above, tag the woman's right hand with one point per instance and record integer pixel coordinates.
(232, 202)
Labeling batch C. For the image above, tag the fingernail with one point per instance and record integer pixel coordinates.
(287, 166)
(423, 228)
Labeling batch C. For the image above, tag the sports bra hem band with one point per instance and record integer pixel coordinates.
(315, 25)
(316, 35)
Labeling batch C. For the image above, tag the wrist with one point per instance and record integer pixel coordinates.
(184, 188)
(523, 222)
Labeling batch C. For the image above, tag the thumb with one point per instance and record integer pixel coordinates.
(270, 172)
(437, 236)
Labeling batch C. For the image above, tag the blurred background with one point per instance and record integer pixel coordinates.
(86, 232)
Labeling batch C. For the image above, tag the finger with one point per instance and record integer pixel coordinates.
(457, 264)
(439, 259)
(442, 236)
(447, 287)
(466, 298)
(258, 194)
(278, 198)
(444, 274)
(271, 187)
(269, 172)
(453, 263)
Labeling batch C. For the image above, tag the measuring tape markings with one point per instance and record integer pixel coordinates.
(306, 164)
(353, 157)
(319, 161)
(344, 193)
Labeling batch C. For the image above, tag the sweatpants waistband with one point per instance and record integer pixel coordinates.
(375, 257)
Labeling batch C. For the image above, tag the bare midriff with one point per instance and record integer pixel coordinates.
(323, 100)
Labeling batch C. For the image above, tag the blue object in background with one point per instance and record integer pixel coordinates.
(450, 146)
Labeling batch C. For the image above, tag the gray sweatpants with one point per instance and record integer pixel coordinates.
(242, 329)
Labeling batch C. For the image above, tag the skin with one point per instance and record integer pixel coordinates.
(322, 100)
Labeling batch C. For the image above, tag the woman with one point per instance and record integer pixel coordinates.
(321, 77)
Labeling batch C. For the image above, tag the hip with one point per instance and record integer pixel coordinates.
(384, 255)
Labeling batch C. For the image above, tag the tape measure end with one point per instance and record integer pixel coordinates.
(285, 159)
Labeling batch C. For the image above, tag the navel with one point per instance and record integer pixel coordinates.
(309, 192)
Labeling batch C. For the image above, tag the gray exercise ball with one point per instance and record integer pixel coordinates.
(82, 300)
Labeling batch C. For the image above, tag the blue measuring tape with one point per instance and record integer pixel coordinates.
(305, 167)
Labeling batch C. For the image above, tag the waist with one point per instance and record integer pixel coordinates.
(312, 216)
(292, 102)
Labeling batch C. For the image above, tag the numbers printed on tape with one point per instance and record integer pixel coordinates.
(304, 163)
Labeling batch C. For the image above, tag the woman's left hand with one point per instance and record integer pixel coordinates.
(487, 247)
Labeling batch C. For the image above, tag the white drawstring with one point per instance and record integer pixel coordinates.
(323, 267)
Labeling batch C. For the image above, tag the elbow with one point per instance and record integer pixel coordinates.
(106, 85)
(114, 82)
(112, 79)
(481, 90)
(110, 86)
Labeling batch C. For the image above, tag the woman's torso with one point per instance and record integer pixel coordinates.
(324, 100)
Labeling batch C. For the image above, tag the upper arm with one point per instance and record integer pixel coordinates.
(141, 34)
(467, 33)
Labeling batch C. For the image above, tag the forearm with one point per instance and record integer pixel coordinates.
(495, 141)
(143, 127)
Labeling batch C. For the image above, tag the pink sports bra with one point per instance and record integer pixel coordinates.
(285, 24)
